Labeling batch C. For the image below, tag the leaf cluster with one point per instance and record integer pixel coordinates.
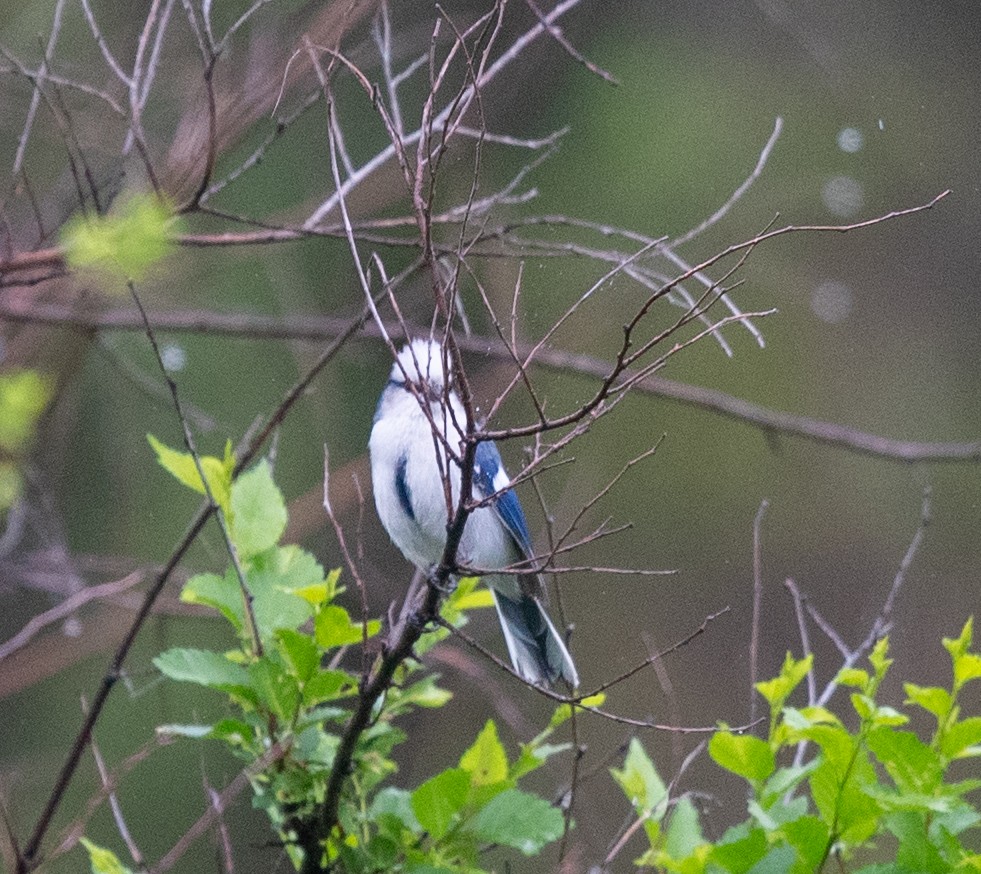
(877, 790)
(290, 697)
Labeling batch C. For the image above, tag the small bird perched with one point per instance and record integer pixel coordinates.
(409, 463)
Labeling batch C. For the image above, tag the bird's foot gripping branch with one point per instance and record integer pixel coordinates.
(294, 706)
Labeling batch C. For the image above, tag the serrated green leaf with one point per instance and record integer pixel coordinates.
(437, 801)
(182, 467)
(326, 685)
(486, 761)
(103, 861)
(204, 668)
(221, 594)
(333, 627)
(912, 765)
(126, 243)
(258, 511)
(517, 819)
(277, 689)
(274, 578)
(745, 755)
(640, 781)
(300, 652)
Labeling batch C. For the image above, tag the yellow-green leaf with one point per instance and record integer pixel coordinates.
(486, 760)
(124, 244)
(181, 465)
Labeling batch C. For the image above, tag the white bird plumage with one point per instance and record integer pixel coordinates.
(409, 465)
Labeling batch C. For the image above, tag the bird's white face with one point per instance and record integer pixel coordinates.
(420, 365)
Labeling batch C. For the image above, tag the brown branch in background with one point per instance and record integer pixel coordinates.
(64, 609)
(117, 811)
(318, 327)
(72, 833)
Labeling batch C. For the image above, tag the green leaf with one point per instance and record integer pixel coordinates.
(194, 732)
(564, 711)
(300, 652)
(967, 667)
(397, 803)
(486, 761)
(778, 860)
(516, 819)
(437, 801)
(684, 832)
(740, 848)
(808, 835)
(933, 699)
(103, 861)
(853, 677)
(640, 781)
(181, 465)
(333, 627)
(962, 739)
(912, 765)
(277, 689)
(533, 756)
(915, 851)
(778, 690)
(124, 244)
(205, 668)
(221, 594)
(837, 787)
(274, 578)
(958, 646)
(745, 755)
(425, 693)
(327, 685)
(258, 517)
(24, 396)
(877, 658)
(783, 780)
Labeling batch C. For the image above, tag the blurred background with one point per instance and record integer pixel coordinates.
(877, 329)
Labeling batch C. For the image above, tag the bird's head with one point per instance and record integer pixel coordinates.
(420, 366)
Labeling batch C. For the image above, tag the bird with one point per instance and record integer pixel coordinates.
(416, 443)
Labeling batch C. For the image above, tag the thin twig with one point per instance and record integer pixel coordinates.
(754, 640)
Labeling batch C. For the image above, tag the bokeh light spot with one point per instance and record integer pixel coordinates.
(850, 139)
(832, 301)
(843, 195)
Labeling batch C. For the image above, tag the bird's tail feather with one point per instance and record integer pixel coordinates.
(537, 651)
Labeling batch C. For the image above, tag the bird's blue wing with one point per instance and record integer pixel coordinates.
(487, 467)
